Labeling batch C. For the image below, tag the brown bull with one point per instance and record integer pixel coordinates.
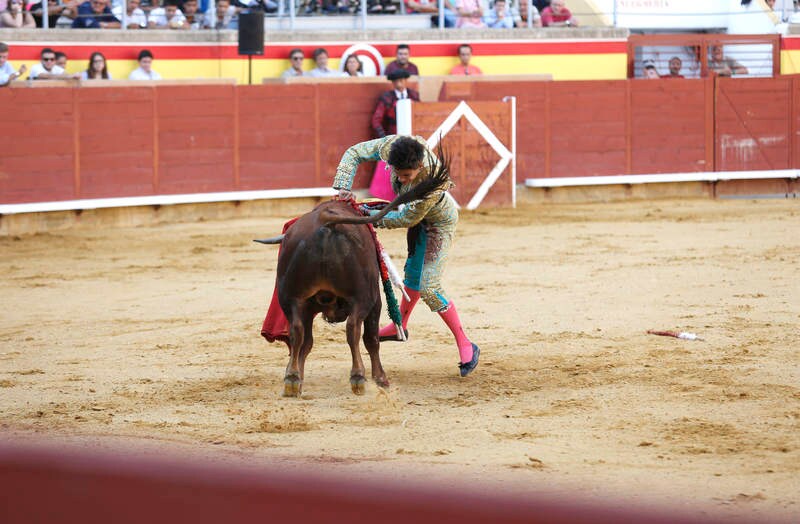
(328, 264)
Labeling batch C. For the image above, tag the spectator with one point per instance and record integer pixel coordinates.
(353, 66)
(499, 17)
(376, 7)
(268, 6)
(223, 16)
(15, 16)
(431, 7)
(470, 13)
(384, 122)
(61, 60)
(168, 16)
(194, 21)
(675, 65)
(296, 57)
(322, 70)
(328, 6)
(136, 19)
(464, 68)
(97, 69)
(724, 66)
(649, 70)
(95, 14)
(55, 10)
(145, 69)
(7, 72)
(402, 62)
(47, 68)
(520, 14)
(557, 15)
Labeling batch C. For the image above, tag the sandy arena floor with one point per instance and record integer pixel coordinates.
(150, 335)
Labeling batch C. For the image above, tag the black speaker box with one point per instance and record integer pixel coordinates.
(251, 33)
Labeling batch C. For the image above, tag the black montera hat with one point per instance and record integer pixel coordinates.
(397, 75)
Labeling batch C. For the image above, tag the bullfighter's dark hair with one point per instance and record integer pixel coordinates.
(406, 153)
(403, 46)
(438, 178)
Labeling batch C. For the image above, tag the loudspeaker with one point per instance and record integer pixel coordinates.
(251, 33)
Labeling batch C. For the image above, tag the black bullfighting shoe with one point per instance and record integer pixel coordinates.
(393, 338)
(467, 367)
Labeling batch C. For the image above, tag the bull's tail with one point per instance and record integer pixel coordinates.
(438, 177)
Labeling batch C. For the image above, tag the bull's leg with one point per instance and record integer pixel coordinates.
(293, 381)
(308, 339)
(357, 380)
(372, 343)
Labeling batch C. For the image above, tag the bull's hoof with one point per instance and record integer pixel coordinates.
(382, 382)
(358, 384)
(292, 386)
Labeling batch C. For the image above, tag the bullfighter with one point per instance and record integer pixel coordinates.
(432, 222)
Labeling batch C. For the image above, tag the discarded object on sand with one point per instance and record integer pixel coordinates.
(677, 334)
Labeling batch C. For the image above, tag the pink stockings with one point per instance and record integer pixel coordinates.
(406, 307)
(450, 317)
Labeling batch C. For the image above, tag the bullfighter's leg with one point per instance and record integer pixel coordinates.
(373, 345)
(298, 329)
(411, 282)
(357, 380)
(432, 293)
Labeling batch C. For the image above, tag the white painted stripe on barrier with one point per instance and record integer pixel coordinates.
(706, 176)
(164, 200)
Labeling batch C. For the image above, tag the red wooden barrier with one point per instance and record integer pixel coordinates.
(67, 143)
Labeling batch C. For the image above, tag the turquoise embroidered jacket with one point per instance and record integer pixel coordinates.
(438, 209)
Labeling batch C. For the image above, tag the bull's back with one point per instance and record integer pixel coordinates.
(334, 258)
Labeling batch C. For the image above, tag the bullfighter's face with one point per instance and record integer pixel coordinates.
(407, 175)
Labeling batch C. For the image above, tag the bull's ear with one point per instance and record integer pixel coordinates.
(273, 240)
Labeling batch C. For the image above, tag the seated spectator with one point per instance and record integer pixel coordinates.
(499, 17)
(16, 17)
(97, 69)
(675, 65)
(520, 14)
(61, 60)
(376, 7)
(431, 7)
(136, 19)
(194, 20)
(296, 57)
(7, 72)
(55, 10)
(353, 66)
(470, 13)
(95, 14)
(557, 15)
(322, 69)
(724, 66)
(268, 6)
(47, 68)
(223, 16)
(167, 17)
(649, 70)
(402, 61)
(328, 6)
(145, 69)
(464, 68)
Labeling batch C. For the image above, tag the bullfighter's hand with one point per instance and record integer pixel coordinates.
(344, 194)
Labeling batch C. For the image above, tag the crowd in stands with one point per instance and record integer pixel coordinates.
(53, 64)
(201, 14)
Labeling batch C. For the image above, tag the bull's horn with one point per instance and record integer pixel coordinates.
(273, 240)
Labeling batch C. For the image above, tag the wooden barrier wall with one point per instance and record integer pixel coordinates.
(66, 143)
(617, 127)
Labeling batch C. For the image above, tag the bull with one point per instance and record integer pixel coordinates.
(328, 265)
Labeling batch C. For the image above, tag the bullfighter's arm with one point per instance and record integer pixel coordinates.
(363, 152)
(412, 213)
